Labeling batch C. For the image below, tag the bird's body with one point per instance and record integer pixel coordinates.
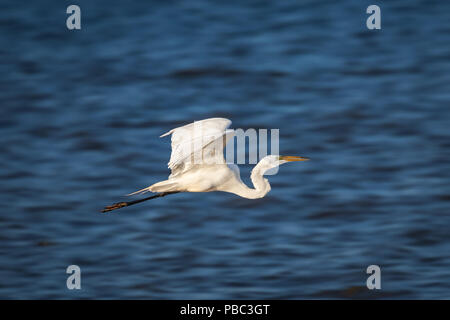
(220, 178)
(193, 180)
(198, 165)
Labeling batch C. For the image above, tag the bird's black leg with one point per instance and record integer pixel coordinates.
(119, 205)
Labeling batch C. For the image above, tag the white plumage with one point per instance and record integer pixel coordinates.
(201, 141)
(198, 164)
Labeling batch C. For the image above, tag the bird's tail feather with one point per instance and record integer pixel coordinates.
(142, 191)
(163, 186)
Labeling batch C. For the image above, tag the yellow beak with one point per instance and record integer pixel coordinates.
(293, 158)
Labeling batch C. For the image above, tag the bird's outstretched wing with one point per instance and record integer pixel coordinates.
(197, 143)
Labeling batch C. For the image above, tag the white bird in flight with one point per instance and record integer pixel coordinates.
(211, 173)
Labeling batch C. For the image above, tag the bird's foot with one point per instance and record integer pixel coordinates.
(114, 206)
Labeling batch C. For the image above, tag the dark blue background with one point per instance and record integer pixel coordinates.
(81, 112)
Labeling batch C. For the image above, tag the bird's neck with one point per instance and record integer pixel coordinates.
(260, 184)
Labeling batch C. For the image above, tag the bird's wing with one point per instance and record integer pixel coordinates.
(200, 142)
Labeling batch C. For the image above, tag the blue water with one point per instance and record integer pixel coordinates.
(81, 112)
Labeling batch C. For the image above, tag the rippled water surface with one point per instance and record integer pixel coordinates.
(81, 112)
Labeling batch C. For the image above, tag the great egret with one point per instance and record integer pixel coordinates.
(211, 173)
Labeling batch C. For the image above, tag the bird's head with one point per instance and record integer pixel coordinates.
(273, 161)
